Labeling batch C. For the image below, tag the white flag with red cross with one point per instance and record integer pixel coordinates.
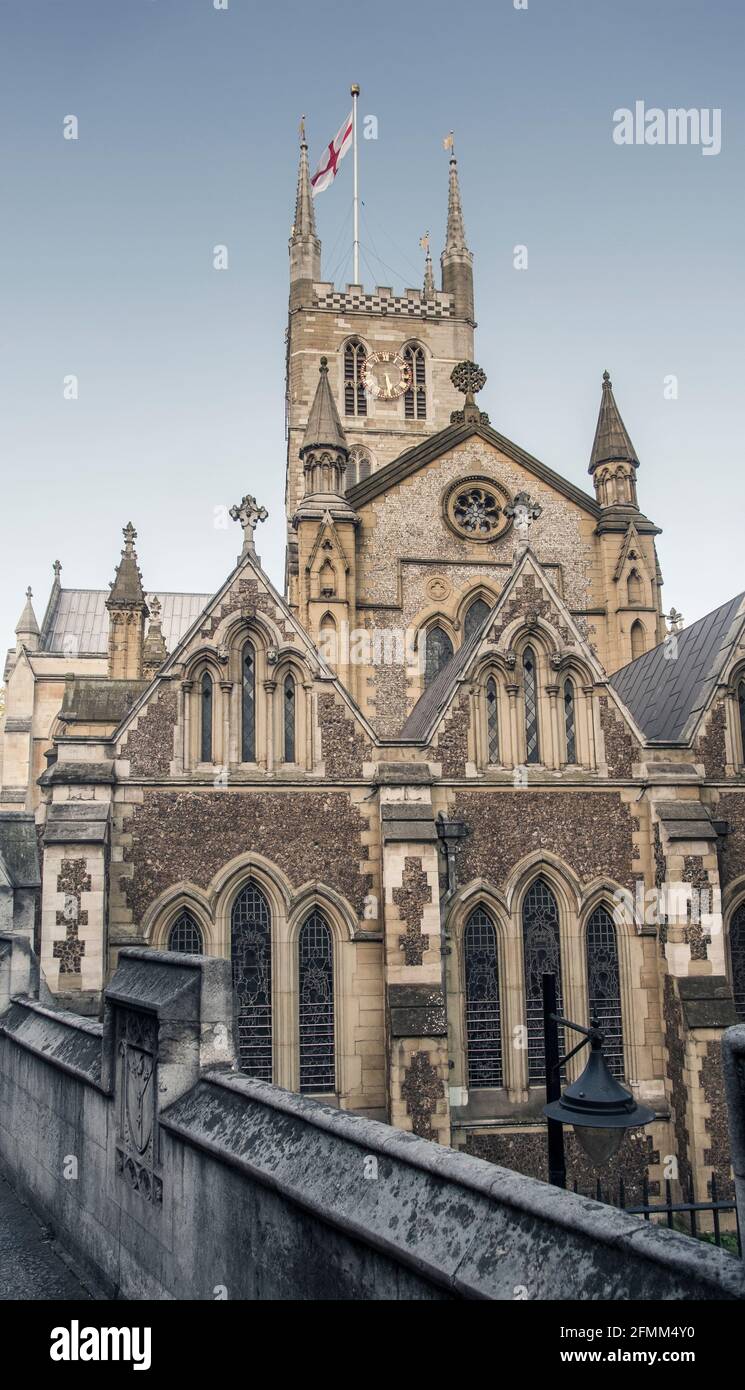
(332, 157)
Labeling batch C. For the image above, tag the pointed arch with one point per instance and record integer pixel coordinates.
(741, 717)
(438, 650)
(634, 592)
(185, 934)
(475, 616)
(483, 1028)
(638, 640)
(251, 956)
(542, 955)
(530, 694)
(492, 721)
(604, 984)
(570, 721)
(415, 398)
(248, 703)
(359, 466)
(355, 396)
(206, 717)
(327, 638)
(316, 1005)
(737, 959)
(289, 718)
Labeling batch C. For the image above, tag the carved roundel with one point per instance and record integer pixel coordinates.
(474, 509)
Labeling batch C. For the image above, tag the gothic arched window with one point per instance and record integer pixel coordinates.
(248, 705)
(638, 640)
(205, 740)
(415, 399)
(438, 650)
(492, 720)
(327, 639)
(359, 466)
(737, 959)
(475, 617)
(186, 935)
(569, 722)
(741, 707)
(288, 717)
(483, 1030)
(542, 952)
(604, 985)
(532, 744)
(316, 1005)
(355, 399)
(634, 587)
(251, 954)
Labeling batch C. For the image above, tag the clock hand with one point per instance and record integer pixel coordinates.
(389, 387)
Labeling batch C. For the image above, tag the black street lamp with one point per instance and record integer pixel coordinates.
(596, 1105)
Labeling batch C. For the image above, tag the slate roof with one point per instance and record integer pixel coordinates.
(666, 696)
(80, 616)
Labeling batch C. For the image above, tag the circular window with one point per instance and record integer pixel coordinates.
(474, 508)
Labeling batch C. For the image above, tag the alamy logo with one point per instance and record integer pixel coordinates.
(76, 1343)
(675, 126)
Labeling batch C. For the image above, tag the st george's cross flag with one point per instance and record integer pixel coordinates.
(332, 157)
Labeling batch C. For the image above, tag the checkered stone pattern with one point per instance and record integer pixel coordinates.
(412, 306)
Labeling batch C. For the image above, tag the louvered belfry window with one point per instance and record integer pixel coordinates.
(355, 399)
(542, 954)
(186, 935)
(737, 959)
(415, 399)
(530, 688)
(248, 705)
(604, 985)
(251, 953)
(483, 1027)
(316, 1005)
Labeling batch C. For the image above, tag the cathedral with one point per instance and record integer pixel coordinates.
(465, 746)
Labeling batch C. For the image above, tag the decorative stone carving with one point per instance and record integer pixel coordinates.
(249, 513)
(136, 1150)
(523, 512)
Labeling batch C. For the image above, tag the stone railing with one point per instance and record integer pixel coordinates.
(171, 1175)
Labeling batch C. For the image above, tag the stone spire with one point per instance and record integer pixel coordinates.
(429, 279)
(324, 453)
(613, 462)
(127, 610)
(456, 259)
(305, 247)
(27, 628)
(154, 650)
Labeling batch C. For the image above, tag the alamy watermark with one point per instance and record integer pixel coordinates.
(677, 125)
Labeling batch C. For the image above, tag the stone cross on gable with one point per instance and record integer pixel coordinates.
(675, 619)
(130, 536)
(249, 513)
(523, 513)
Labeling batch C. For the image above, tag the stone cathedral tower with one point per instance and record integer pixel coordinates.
(431, 329)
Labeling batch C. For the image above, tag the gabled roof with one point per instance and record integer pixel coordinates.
(78, 621)
(666, 694)
(441, 443)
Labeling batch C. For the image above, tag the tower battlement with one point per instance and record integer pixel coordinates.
(411, 304)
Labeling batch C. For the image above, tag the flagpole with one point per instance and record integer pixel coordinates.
(355, 95)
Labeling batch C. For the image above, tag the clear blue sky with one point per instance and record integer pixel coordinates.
(188, 121)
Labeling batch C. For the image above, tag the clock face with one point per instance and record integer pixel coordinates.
(386, 375)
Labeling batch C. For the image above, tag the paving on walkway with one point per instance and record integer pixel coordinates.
(31, 1265)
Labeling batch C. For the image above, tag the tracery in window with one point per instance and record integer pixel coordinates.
(604, 985)
(248, 704)
(186, 935)
(251, 954)
(359, 466)
(316, 1005)
(438, 650)
(483, 1027)
(530, 690)
(415, 399)
(355, 398)
(542, 954)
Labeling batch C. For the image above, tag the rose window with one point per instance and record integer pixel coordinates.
(476, 511)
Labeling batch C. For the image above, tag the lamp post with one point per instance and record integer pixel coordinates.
(600, 1109)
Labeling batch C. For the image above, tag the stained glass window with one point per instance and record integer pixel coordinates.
(475, 617)
(206, 730)
(251, 953)
(604, 985)
(741, 704)
(186, 935)
(415, 399)
(737, 958)
(492, 720)
(439, 649)
(316, 987)
(483, 1031)
(289, 718)
(355, 400)
(533, 751)
(542, 953)
(569, 722)
(248, 733)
